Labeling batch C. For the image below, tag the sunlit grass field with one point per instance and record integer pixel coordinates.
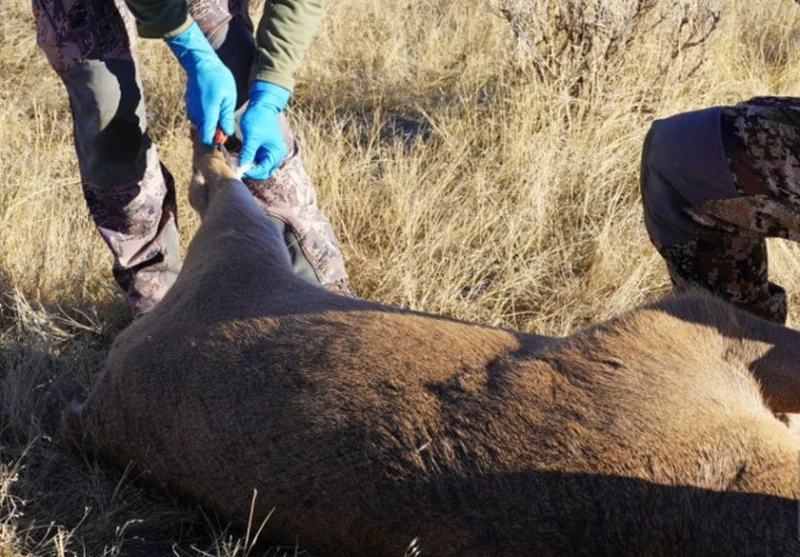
(460, 178)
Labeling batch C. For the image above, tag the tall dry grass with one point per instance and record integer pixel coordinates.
(459, 178)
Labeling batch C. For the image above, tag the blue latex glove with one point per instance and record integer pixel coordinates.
(210, 87)
(262, 141)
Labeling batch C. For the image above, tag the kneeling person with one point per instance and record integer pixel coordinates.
(715, 184)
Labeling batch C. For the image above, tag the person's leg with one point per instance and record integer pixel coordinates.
(130, 195)
(715, 185)
(287, 197)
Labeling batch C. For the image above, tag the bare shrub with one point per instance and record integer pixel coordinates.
(575, 39)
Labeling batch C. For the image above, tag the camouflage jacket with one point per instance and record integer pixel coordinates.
(284, 32)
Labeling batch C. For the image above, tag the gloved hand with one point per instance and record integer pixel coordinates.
(210, 87)
(263, 146)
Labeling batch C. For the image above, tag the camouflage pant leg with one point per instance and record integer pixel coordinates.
(288, 197)
(131, 197)
(718, 242)
(289, 200)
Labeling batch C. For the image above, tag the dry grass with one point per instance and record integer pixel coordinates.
(458, 181)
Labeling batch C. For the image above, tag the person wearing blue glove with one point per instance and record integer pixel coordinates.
(210, 87)
(231, 69)
(263, 147)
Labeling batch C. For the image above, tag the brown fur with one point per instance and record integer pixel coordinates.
(366, 427)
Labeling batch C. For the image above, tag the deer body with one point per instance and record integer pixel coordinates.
(363, 427)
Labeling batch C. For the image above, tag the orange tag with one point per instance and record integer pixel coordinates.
(219, 137)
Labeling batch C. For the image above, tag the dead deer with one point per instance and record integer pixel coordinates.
(369, 430)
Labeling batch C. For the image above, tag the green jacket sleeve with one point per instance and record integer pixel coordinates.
(156, 19)
(283, 36)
